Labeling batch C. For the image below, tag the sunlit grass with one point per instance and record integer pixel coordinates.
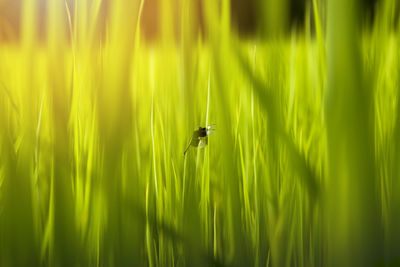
(94, 122)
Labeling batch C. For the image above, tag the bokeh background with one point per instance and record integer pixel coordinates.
(99, 99)
(244, 16)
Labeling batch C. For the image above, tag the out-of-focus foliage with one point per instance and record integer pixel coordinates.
(302, 171)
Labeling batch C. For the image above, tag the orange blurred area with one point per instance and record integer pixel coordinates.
(244, 16)
(9, 17)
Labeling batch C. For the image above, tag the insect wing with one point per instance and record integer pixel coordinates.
(211, 129)
(203, 142)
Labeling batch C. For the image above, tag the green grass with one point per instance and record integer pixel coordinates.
(302, 171)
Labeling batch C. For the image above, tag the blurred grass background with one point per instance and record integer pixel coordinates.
(95, 116)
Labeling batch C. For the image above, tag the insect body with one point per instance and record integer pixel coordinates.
(200, 137)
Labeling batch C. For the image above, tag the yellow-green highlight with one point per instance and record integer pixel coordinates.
(302, 171)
